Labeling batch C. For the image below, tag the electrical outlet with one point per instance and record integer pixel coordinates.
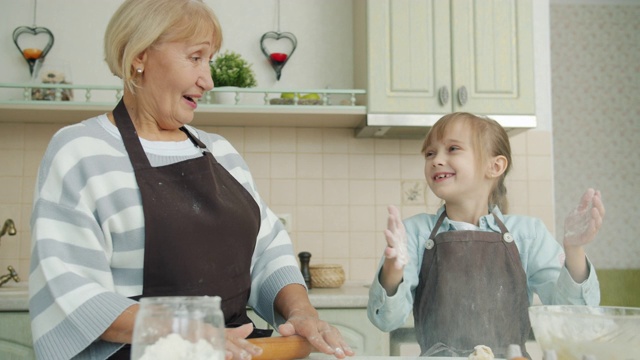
(286, 221)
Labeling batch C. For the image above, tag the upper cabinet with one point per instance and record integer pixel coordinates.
(440, 56)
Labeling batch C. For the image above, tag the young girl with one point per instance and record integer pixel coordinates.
(469, 272)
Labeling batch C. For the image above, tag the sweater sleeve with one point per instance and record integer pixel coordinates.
(72, 291)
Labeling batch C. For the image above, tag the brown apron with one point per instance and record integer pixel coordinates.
(472, 290)
(201, 227)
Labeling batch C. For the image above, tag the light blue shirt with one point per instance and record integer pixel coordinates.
(541, 255)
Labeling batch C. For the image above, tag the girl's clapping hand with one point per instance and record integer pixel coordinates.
(396, 237)
(584, 222)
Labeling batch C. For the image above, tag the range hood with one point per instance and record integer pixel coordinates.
(416, 126)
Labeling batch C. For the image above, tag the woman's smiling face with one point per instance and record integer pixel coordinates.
(175, 76)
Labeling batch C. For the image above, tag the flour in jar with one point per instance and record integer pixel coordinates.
(174, 347)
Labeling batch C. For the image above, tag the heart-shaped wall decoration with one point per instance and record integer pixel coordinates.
(35, 51)
(280, 40)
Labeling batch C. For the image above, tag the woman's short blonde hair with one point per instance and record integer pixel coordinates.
(489, 139)
(138, 25)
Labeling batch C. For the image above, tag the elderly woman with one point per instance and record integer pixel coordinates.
(137, 203)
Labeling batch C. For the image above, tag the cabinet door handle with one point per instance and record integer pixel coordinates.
(462, 95)
(443, 95)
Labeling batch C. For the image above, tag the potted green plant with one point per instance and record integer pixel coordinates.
(230, 69)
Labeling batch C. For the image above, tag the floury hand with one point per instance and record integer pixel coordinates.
(396, 239)
(583, 223)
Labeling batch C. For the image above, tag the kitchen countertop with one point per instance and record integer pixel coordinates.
(349, 295)
(15, 296)
(319, 356)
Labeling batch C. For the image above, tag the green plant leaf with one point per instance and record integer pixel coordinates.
(230, 69)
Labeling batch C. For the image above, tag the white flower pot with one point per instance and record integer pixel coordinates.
(228, 96)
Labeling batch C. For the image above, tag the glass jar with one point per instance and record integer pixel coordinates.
(179, 327)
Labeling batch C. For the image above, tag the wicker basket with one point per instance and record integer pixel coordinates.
(326, 275)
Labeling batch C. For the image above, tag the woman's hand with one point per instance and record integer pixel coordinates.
(302, 319)
(320, 334)
(584, 222)
(396, 237)
(236, 344)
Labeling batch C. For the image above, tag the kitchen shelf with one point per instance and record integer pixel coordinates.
(345, 114)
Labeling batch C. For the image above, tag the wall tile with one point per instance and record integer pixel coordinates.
(387, 167)
(257, 139)
(282, 139)
(310, 218)
(283, 166)
(336, 192)
(412, 166)
(387, 192)
(11, 163)
(336, 245)
(386, 146)
(309, 192)
(309, 140)
(539, 143)
(361, 192)
(259, 164)
(336, 140)
(11, 136)
(336, 218)
(235, 135)
(361, 218)
(309, 166)
(335, 166)
(284, 192)
(539, 167)
(312, 242)
(361, 167)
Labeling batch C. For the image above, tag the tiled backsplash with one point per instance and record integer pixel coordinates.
(335, 187)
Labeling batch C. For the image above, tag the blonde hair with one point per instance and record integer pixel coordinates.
(489, 139)
(138, 25)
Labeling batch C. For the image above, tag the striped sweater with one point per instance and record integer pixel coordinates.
(87, 230)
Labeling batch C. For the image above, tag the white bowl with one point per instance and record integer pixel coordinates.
(574, 331)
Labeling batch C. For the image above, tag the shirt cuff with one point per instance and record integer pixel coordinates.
(585, 293)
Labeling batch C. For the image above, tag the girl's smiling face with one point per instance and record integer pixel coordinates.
(451, 168)
(176, 75)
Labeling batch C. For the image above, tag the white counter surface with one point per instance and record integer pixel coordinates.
(318, 356)
(349, 295)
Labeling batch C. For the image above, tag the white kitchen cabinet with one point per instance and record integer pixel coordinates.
(440, 56)
(15, 336)
(357, 330)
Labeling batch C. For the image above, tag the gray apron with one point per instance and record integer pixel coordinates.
(201, 227)
(472, 290)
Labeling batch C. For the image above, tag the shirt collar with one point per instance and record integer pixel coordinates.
(487, 222)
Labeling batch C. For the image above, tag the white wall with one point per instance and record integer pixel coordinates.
(324, 56)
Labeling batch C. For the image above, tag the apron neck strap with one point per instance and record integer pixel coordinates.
(434, 232)
(129, 136)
